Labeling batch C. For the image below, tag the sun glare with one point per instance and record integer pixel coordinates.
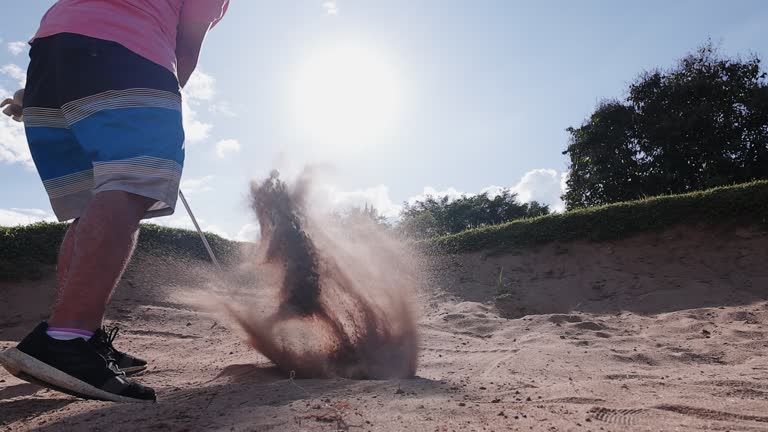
(346, 96)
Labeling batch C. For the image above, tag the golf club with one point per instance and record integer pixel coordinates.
(199, 231)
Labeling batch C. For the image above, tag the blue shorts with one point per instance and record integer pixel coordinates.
(99, 117)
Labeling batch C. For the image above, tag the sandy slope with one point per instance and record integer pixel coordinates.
(659, 332)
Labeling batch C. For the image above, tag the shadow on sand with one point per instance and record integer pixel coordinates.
(242, 396)
(679, 269)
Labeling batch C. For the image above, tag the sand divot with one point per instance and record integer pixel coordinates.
(344, 296)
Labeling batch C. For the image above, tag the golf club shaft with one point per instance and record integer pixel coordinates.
(199, 231)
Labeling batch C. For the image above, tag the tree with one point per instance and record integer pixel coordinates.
(701, 124)
(604, 158)
(356, 216)
(433, 216)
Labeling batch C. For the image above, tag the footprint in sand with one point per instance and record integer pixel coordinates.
(630, 376)
(577, 322)
(708, 414)
(624, 417)
(738, 389)
(636, 359)
(590, 325)
(560, 319)
(745, 316)
(688, 356)
(634, 416)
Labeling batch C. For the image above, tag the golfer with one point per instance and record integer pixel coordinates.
(102, 114)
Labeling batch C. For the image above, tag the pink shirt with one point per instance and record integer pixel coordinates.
(146, 27)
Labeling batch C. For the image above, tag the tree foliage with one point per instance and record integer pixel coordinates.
(437, 216)
(356, 216)
(701, 124)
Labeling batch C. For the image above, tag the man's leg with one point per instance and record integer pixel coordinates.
(103, 242)
(60, 355)
(65, 257)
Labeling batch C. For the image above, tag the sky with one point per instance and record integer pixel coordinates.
(394, 100)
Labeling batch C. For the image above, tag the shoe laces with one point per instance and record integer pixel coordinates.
(103, 345)
(110, 334)
(105, 339)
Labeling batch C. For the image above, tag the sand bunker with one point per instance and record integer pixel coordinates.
(661, 331)
(344, 292)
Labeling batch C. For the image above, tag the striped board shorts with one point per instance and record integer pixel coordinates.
(99, 117)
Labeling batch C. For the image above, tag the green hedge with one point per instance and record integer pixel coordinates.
(740, 205)
(26, 250)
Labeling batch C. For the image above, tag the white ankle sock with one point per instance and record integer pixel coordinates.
(68, 333)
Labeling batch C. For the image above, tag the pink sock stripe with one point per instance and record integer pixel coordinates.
(71, 330)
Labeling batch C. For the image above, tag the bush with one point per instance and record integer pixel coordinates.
(439, 216)
(740, 205)
(25, 250)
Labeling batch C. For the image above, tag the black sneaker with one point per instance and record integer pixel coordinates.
(75, 367)
(127, 363)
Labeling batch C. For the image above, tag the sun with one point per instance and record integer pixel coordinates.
(346, 95)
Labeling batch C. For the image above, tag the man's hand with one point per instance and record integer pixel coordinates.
(13, 107)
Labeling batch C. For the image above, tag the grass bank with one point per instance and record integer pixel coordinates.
(25, 251)
(740, 205)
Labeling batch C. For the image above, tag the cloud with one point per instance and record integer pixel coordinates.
(13, 141)
(194, 129)
(452, 194)
(214, 229)
(196, 185)
(564, 182)
(331, 7)
(222, 108)
(334, 199)
(542, 185)
(200, 86)
(227, 147)
(17, 47)
(249, 232)
(15, 72)
(22, 216)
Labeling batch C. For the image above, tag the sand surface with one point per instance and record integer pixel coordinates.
(658, 332)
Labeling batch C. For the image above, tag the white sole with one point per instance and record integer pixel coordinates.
(133, 370)
(30, 369)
